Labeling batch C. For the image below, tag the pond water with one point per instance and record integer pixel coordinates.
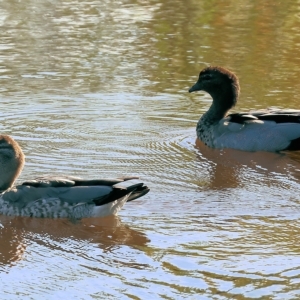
(99, 89)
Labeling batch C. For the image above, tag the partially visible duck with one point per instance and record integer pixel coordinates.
(60, 196)
(265, 130)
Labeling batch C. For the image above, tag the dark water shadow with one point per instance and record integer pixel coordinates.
(108, 233)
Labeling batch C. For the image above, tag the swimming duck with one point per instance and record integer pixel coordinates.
(265, 130)
(60, 196)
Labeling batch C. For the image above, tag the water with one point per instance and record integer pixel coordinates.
(99, 89)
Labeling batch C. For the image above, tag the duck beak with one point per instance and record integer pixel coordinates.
(195, 87)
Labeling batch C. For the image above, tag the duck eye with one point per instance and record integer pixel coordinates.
(206, 77)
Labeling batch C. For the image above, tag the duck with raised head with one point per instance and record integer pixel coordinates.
(60, 196)
(264, 130)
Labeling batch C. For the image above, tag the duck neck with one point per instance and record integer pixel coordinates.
(214, 114)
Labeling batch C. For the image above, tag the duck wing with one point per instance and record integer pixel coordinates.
(50, 195)
(277, 116)
(68, 181)
(266, 130)
(127, 184)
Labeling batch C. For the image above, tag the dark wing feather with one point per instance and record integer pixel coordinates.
(68, 181)
(278, 116)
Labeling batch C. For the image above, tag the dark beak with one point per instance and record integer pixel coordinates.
(195, 87)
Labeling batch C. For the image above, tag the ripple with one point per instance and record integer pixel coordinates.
(99, 89)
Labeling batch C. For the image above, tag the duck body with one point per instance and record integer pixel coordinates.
(60, 196)
(70, 197)
(265, 130)
(273, 130)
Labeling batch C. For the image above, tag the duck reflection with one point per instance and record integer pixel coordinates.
(108, 233)
(229, 168)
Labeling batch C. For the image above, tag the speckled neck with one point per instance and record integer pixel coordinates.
(205, 125)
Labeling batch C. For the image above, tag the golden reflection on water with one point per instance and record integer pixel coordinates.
(107, 233)
(99, 88)
(229, 163)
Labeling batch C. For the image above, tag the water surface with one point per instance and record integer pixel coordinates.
(99, 89)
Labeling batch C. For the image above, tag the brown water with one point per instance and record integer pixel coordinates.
(99, 89)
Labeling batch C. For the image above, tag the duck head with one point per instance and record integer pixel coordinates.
(12, 161)
(221, 84)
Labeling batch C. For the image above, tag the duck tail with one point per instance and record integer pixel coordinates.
(139, 192)
(132, 188)
(294, 145)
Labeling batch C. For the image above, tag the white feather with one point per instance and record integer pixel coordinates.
(111, 208)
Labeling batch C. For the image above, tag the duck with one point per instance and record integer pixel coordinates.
(60, 196)
(270, 130)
